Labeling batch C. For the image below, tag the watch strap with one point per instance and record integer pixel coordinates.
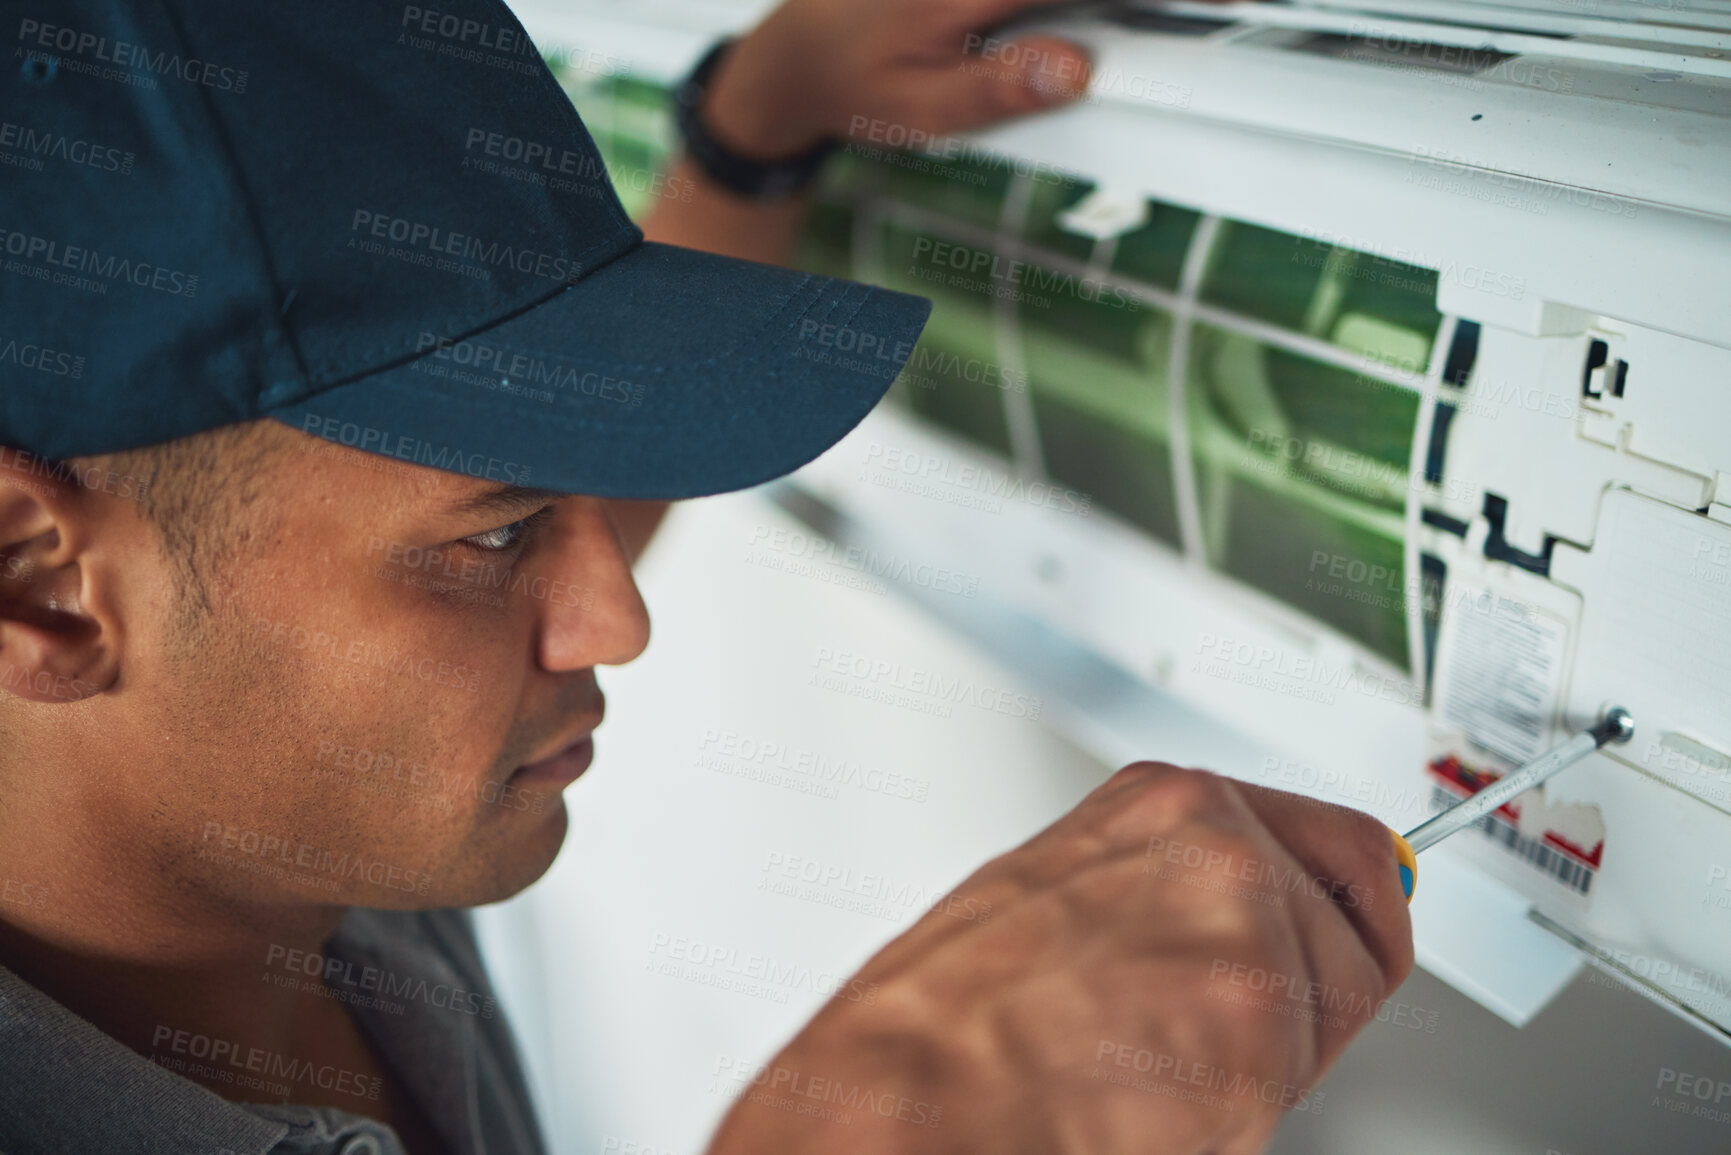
(758, 180)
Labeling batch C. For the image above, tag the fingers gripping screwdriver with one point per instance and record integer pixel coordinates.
(1617, 725)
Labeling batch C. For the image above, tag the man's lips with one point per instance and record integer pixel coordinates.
(561, 769)
(568, 761)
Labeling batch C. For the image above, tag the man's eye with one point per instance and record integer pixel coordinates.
(507, 536)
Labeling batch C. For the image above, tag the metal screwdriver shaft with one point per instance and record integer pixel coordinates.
(1616, 726)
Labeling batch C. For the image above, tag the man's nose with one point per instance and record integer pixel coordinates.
(595, 615)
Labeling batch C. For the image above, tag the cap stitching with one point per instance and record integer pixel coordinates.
(514, 309)
(792, 296)
(588, 422)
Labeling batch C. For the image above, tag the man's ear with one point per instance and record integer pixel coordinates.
(53, 648)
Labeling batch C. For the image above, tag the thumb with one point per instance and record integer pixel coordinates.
(1007, 79)
(1056, 71)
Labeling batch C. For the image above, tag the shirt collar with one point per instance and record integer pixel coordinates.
(67, 1080)
(69, 1083)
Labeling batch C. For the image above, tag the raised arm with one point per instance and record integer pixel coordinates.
(848, 70)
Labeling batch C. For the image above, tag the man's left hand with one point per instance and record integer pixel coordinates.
(885, 71)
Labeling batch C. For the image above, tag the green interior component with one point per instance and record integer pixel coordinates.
(1286, 547)
(1380, 309)
(1084, 310)
(1097, 371)
(1051, 196)
(1399, 302)
(1383, 341)
(630, 165)
(642, 110)
(640, 92)
(576, 83)
(965, 190)
(955, 376)
(847, 176)
(1320, 424)
(1301, 474)
(826, 245)
(1264, 274)
(1155, 252)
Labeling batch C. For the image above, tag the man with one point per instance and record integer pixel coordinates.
(301, 597)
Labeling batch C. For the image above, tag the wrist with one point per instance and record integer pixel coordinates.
(876, 1066)
(756, 101)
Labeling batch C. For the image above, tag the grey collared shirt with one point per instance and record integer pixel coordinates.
(413, 981)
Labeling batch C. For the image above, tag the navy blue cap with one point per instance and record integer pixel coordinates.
(385, 226)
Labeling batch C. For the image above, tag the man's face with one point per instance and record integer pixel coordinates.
(380, 670)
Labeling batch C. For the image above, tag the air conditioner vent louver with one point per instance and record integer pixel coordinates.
(1150, 20)
(1422, 28)
(1418, 54)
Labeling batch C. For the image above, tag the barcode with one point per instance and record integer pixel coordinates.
(1553, 862)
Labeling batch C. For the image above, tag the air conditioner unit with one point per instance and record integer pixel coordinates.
(1357, 374)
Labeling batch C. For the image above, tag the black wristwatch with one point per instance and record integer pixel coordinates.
(759, 180)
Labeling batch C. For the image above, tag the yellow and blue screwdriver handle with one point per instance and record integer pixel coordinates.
(1617, 725)
(1407, 859)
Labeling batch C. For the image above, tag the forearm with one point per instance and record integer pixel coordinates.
(747, 110)
(718, 220)
(812, 70)
(861, 1079)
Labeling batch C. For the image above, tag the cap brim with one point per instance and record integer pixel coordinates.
(667, 373)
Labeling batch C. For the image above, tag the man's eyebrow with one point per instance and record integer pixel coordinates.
(507, 499)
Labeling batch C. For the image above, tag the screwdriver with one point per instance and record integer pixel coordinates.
(1617, 725)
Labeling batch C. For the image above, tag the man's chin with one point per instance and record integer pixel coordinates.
(501, 865)
(513, 864)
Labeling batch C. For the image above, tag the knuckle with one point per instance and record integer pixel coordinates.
(1124, 802)
(1238, 934)
(1139, 772)
(1013, 872)
(1179, 795)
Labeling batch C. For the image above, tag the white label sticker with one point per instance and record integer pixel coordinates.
(1499, 671)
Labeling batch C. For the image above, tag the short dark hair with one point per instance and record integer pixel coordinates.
(203, 494)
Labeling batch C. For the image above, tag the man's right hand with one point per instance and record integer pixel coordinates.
(1164, 969)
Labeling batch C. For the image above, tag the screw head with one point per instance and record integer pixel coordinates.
(1618, 725)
